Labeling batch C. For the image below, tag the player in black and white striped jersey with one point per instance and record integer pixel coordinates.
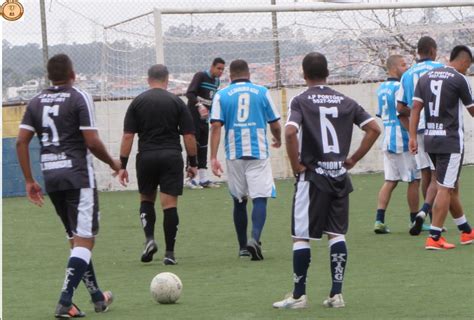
(63, 118)
(442, 93)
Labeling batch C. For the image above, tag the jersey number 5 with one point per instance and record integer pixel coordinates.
(326, 126)
(48, 122)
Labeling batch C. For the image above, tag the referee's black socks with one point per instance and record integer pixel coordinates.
(148, 218)
(170, 227)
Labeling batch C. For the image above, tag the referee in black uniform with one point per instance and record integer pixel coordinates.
(159, 118)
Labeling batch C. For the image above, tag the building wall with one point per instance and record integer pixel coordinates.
(110, 116)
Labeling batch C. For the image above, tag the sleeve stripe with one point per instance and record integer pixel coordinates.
(216, 108)
(272, 105)
(27, 127)
(87, 128)
(365, 122)
(418, 99)
(294, 124)
(89, 104)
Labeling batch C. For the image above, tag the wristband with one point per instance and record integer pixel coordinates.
(124, 161)
(193, 161)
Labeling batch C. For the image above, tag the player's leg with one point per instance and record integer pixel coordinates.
(238, 188)
(457, 212)
(193, 183)
(303, 211)
(204, 180)
(391, 176)
(447, 172)
(83, 220)
(336, 228)
(171, 186)
(258, 174)
(424, 161)
(148, 179)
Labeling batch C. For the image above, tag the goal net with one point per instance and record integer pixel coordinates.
(356, 43)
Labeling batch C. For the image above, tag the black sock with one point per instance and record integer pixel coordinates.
(92, 286)
(435, 233)
(380, 215)
(413, 216)
(76, 266)
(338, 259)
(170, 227)
(148, 218)
(301, 261)
(240, 222)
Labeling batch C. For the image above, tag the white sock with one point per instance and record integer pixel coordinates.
(461, 220)
(81, 253)
(202, 175)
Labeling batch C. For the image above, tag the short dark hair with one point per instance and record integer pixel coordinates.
(158, 72)
(59, 68)
(425, 44)
(216, 61)
(392, 60)
(239, 67)
(315, 66)
(457, 50)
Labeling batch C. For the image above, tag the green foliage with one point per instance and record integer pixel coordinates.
(388, 276)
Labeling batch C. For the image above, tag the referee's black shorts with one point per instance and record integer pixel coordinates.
(162, 168)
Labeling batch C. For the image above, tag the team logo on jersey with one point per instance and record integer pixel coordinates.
(12, 10)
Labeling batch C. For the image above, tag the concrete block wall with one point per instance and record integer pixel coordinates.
(110, 115)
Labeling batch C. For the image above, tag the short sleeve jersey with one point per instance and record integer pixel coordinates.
(244, 109)
(57, 115)
(443, 92)
(158, 117)
(409, 81)
(395, 136)
(325, 118)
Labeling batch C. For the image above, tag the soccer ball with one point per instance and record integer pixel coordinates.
(166, 288)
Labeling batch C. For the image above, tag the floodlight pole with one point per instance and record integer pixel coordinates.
(159, 43)
(276, 47)
(44, 36)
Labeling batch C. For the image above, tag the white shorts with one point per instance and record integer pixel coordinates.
(422, 158)
(400, 167)
(251, 178)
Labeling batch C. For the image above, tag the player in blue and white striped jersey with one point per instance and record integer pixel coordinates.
(427, 52)
(399, 164)
(244, 109)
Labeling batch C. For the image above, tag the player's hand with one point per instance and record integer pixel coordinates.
(191, 172)
(203, 111)
(216, 168)
(34, 193)
(299, 169)
(276, 143)
(123, 177)
(413, 146)
(349, 163)
(116, 165)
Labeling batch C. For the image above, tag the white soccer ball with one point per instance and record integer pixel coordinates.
(166, 288)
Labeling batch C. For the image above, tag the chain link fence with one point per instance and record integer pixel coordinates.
(111, 62)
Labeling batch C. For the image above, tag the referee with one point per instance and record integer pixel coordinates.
(158, 117)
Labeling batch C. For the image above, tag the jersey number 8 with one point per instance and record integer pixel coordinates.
(243, 107)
